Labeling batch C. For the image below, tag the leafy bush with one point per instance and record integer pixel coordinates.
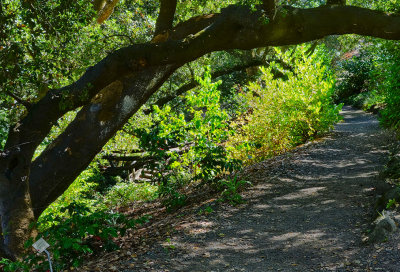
(391, 114)
(124, 193)
(199, 131)
(354, 74)
(83, 232)
(373, 101)
(74, 235)
(79, 223)
(285, 113)
(80, 192)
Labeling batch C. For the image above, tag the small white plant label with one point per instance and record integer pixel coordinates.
(40, 245)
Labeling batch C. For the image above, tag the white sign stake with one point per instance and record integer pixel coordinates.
(41, 245)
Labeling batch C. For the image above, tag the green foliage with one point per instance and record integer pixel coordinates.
(10, 266)
(207, 210)
(391, 114)
(368, 100)
(79, 223)
(81, 192)
(49, 44)
(74, 234)
(284, 113)
(377, 70)
(353, 77)
(83, 232)
(174, 199)
(74, 237)
(392, 204)
(230, 188)
(186, 9)
(124, 193)
(199, 131)
(41, 38)
(3, 128)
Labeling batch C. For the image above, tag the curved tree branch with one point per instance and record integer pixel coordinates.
(93, 126)
(26, 104)
(104, 9)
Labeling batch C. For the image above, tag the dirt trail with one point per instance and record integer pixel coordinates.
(307, 213)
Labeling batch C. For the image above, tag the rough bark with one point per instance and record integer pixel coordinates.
(104, 9)
(166, 16)
(114, 89)
(93, 126)
(15, 202)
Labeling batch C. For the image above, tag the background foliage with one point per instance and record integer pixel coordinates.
(282, 113)
(200, 137)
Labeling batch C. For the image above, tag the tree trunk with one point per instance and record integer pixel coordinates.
(15, 206)
(93, 126)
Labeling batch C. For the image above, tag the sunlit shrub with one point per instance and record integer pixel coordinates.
(285, 113)
(199, 131)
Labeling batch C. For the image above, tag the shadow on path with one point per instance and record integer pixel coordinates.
(307, 214)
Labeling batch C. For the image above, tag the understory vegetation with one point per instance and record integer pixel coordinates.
(212, 117)
(196, 140)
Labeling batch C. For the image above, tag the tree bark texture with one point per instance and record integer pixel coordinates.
(15, 203)
(166, 16)
(111, 91)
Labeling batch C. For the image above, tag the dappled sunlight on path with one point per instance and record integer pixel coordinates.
(306, 213)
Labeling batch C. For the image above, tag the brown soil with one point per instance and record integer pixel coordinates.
(307, 211)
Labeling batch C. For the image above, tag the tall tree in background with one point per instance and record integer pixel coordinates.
(111, 91)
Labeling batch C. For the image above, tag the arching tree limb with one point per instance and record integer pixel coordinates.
(104, 9)
(26, 104)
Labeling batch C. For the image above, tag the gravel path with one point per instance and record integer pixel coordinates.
(308, 212)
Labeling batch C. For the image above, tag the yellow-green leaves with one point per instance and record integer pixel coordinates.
(284, 113)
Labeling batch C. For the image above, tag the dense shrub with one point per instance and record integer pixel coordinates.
(124, 193)
(353, 75)
(285, 113)
(199, 131)
(383, 89)
(391, 113)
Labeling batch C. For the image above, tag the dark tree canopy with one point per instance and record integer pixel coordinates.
(110, 91)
